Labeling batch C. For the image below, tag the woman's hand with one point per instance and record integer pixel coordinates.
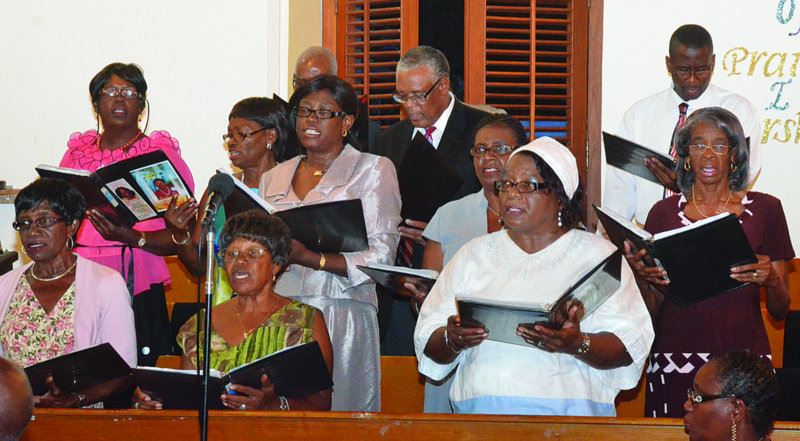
(652, 274)
(253, 399)
(566, 340)
(418, 293)
(143, 401)
(414, 231)
(112, 231)
(54, 397)
(667, 176)
(463, 336)
(761, 272)
(301, 255)
(180, 218)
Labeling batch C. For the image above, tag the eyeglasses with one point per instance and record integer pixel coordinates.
(522, 186)
(251, 254)
(239, 137)
(305, 112)
(127, 92)
(480, 150)
(699, 149)
(415, 97)
(41, 222)
(700, 72)
(694, 398)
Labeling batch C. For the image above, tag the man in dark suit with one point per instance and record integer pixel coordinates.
(423, 89)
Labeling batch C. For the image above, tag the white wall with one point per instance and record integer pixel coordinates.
(199, 58)
(636, 36)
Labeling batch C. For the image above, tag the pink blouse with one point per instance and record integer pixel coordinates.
(83, 153)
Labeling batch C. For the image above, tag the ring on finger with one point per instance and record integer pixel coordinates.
(136, 405)
(540, 344)
(180, 219)
(243, 407)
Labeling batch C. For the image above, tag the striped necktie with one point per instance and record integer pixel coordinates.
(682, 107)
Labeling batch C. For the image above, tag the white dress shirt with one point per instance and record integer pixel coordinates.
(440, 123)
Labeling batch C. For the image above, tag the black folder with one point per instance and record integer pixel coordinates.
(501, 319)
(394, 277)
(78, 370)
(426, 181)
(698, 257)
(296, 372)
(629, 156)
(136, 176)
(330, 227)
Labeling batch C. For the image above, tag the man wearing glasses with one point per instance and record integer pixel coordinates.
(423, 91)
(653, 122)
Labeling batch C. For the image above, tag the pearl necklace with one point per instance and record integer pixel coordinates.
(50, 279)
(124, 146)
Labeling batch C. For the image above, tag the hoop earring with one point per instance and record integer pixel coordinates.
(269, 146)
(687, 166)
(70, 242)
(23, 250)
(733, 167)
(344, 133)
(560, 224)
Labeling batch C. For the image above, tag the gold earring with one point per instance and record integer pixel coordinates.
(733, 431)
(733, 167)
(274, 277)
(344, 133)
(687, 166)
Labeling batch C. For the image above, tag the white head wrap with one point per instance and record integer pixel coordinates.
(558, 157)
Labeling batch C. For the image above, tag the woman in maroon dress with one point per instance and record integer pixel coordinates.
(712, 175)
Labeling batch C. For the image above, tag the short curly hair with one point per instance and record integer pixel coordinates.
(725, 121)
(261, 227)
(64, 199)
(750, 377)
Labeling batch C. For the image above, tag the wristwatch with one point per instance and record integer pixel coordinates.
(284, 402)
(142, 241)
(585, 344)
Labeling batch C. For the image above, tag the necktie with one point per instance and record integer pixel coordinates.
(682, 107)
(429, 134)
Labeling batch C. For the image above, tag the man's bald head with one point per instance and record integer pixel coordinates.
(16, 401)
(313, 62)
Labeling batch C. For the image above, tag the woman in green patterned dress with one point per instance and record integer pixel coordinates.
(254, 248)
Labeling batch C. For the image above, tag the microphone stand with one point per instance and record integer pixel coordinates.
(207, 337)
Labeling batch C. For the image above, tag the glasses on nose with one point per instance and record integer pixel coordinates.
(126, 93)
(41, 222)
(522, 186)
(480, 150)
(298, 82)
(701, 72)
(251, 254)
(695, 398)
(699, 149)
(416, 98)
(305, 112)
(239, 137)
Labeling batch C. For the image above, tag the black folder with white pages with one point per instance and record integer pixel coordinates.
(590, 290)
(629, 156)
(698, 257)
(296, 372)
(394, 277)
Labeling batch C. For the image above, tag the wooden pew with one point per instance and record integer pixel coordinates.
(334, 426)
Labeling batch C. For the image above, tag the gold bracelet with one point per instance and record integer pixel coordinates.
(321, 261)
(184, 241)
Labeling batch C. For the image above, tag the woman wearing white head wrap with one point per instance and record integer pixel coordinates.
(575, 370)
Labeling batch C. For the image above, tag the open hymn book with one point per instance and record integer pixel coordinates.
(698, 257)
(394, 278)
(501, 319)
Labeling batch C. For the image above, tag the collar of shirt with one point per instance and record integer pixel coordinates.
(703, 100)
(440, 123)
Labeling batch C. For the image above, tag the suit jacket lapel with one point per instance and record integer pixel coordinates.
(453, 138)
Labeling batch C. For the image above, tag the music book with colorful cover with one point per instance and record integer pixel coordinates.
(127, 191)
(295, 372)
(394, 277)
(330, 227)
(698, 257)
(629, 156)
(426, 181)
(78, 370)
(590, 290)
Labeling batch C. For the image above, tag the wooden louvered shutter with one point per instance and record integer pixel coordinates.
(370, 38)
(529, 57)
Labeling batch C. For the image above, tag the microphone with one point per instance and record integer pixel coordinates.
(220, 186)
